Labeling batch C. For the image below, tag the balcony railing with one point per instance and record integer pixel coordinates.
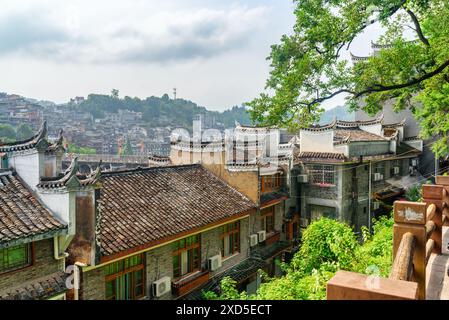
(185, 285)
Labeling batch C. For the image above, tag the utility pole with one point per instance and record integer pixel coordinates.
(174, 93)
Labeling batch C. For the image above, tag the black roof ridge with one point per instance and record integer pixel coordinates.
(144, 169)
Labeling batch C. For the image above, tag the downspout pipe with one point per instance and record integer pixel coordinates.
(57, 255)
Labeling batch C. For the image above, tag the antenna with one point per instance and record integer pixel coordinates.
(174, 93)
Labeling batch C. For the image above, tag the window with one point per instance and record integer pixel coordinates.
(186, 256)
(322, 174)
(125, 278)
(270, 182)
(15, 258)
(316, 212)
(230, 239)
(267, 216)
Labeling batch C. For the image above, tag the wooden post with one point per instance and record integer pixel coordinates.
(410, 217)
(355, 286)
(444, 181)
(433, 194)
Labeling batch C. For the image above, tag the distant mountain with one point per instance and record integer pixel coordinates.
(159, 111)
(339, 112)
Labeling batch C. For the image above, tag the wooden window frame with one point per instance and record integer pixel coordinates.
(224, 233)
(270, 182)
(264, 214)
(178, 252)
(130, 270)
(31, 258)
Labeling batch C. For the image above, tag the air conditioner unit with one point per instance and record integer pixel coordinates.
(396, 170)
(161, 286)
(414, 162)
(303, 178)
(253, 240)
(376, 176)
(262, 235)
(215, 262)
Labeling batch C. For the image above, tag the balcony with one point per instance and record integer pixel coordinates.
(272, 238)
(189, 283)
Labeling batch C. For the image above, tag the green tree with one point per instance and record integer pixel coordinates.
(307, 68)
(7, 133)
(72, 148)
(327, 246)
(114, 93)
(24, 131)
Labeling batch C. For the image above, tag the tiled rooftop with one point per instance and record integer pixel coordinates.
(40, 289)
(142, 206)
(355, 135)
(21, 214)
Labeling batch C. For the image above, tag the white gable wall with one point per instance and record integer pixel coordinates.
(316, 141)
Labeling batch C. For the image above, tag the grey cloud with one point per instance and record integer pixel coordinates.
(27, 33)
(203, 36)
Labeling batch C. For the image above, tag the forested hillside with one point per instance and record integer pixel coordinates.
(160, 111)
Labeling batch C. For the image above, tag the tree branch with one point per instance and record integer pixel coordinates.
(418, 28)
(378, 87)
(382, 88)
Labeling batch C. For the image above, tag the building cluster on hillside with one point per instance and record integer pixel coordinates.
(107, 135)
(14, 110)
(229, 205)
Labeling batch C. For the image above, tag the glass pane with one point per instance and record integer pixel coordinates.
(138, 277)
(110, 289)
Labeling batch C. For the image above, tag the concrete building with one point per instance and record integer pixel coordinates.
(348, 170)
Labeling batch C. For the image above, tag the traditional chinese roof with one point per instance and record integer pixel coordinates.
(355, 135)
(39, 289)
(57, 145)
(71, 177)
(358, 123)
(378, 46)
(320, 156)
(144, 206)
(21, 214)
(355, 58)
(394, 125)
(325, 127)
(38, 138)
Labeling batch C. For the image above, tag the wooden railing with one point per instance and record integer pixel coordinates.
(417, 233)
(188, 284)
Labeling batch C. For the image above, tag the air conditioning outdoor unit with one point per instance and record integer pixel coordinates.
(215, 262)
(161, 286)
(303, 178)
(377, 176)
(262, 235)
(396, 170)
(253, 240)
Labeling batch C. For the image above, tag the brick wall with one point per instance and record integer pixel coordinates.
(44, 264)
(93, 285)
(159, 264)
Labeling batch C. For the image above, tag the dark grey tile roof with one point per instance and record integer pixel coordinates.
(21, 214)
(144, 205)
(39, 289)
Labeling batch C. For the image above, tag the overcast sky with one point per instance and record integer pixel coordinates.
(212, 51)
